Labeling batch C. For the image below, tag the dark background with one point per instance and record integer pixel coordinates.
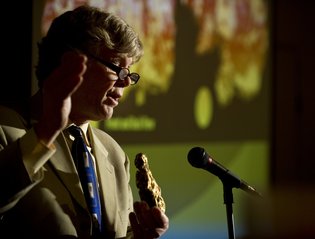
(293, 104)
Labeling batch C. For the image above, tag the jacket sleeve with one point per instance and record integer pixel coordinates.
(21, 159)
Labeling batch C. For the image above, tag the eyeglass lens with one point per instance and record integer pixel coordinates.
(124, 72)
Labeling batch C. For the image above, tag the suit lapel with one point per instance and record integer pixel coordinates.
(106, 179)
(66, 171)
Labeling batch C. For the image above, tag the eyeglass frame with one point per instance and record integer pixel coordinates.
(117, 69)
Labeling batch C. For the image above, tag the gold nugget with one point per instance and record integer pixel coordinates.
(148, 188)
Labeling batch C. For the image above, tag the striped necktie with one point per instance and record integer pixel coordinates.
(86, 170)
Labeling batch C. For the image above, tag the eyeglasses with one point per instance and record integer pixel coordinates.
(122, 72)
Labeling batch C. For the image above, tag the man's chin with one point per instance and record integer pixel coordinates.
(107, 113)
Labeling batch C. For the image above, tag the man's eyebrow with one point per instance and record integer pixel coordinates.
(115, 59)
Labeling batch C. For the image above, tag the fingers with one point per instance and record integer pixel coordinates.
(160, 218)
(137, 229)
(73, 66)
(148, 222)
(146, 219)
(66, 78)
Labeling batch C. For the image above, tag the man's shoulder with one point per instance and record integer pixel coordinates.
(100, 132)
(11, 117)
(4, 110)
(100, 137)
(103, 136)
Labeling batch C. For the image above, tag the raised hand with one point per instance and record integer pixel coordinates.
(56, 96)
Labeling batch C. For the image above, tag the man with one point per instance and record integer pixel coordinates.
(82, 71)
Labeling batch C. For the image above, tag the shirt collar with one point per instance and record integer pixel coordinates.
(84, 128)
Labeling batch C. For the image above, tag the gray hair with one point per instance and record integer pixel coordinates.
(88, 29)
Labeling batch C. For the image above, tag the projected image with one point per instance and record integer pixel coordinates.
(203, 60)
(204, 82)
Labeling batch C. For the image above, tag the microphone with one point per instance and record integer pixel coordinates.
(199, 158)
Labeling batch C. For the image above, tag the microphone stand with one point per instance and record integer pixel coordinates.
(228, 201)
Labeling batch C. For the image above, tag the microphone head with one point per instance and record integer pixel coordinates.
(198, 157)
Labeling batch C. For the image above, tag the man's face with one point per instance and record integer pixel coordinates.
(100, 91)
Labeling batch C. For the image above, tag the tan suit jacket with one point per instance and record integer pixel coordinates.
(51, 204)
